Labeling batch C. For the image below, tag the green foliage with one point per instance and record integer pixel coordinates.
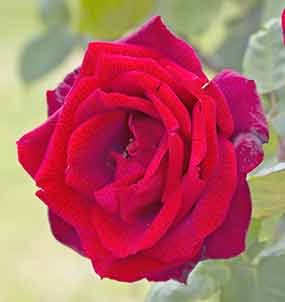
(173, 291)
(278, 123)
(189, 17)
(230, 53)
(54, 13)
(44, 53)
(262, 282)
(110, 19)
(264, 60)
(268, 194)
(276, 247)
(202, 283)
(272, 9)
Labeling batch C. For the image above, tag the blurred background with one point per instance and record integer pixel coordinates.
(41, 41)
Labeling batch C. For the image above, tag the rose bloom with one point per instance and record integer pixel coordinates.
(142, 161)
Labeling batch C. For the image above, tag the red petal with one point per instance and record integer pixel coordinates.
(244, 103)
(89, 162)
(249, 120)
(143, 148)
(140, 266)
(72, 207)
(224, 115)
(210, 161)
(124, 239)
(169, 120)
(96, 49)
(167, 96)
(64, 232)
(155, 35)
(192, 183)
(187, 80)
(145, 196)
(56, 98)
(118, 237)
(100, 101)
(108, 197)
(54, 165)
(53, 101)
(172, 195)
(229, 239)
(249, 151)
(32, 146)
(199, 135)
(130, 269)
(185, 240)
(109, 67)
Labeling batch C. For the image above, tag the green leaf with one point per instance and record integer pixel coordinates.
(200, 287)
(279, 230)
(170, 291)
(253, 232)
(268, 226)
(272, 9)
(264, 59)
(231, 52)
(241, 285)
(268, 192)
(54, 13)
(189, 17)
(44, 53)
(256, 283)
(203, 282)
(276, 247)
(281, 99)
(109, 19)
(278, 122)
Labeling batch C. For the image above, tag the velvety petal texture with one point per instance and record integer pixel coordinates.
(250, 125)
(142, 161)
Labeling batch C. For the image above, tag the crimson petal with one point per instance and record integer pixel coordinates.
(211, 208)
(155, 35)
(244, 103)
(64, 232)
(89, 162)
(33, 145)
(250, 126)
(229, 240)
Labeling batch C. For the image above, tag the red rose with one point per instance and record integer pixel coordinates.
(143, 161)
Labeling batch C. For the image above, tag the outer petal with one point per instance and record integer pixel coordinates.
(54, 165)
(64, 232)
(56, 98)
(229, 240)
(33, 145)
(140, 266)
(250, 126)
(155, 35)
(95, 50)
(245, 104)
